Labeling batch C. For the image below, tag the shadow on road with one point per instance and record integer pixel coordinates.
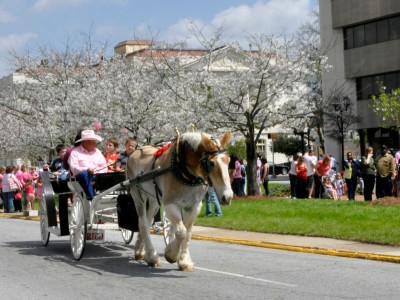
(101, 257)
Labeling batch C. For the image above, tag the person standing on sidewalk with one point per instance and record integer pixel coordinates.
(237, 177)
(258, 176)
(368, 173)
(301, 185)
(8, 192)
(2, 171)
(211, 196)
(293, 176)
(264, 175)
(351, 173)
(321, 169)
(384, 165)
(311, 161)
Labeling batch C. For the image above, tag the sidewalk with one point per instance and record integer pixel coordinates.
(304, 244)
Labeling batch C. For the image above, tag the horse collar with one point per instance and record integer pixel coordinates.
(180, 170)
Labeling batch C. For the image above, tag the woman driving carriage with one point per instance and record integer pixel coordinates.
(86, 160)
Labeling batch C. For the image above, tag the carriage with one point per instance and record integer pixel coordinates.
(112, 208)
(162, 188)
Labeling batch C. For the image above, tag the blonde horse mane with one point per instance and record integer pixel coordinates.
(194, 139)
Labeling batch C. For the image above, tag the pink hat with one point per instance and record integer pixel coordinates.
(89, 135)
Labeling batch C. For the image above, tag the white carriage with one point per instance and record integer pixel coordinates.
(112, 208)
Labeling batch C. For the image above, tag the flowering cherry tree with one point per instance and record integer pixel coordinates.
(245, 90)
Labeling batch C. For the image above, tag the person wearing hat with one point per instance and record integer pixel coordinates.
(351, 173)
(86, 160)
(385, 169)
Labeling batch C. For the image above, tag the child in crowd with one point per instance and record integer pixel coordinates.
(34, 173)
(339, 184)
(130, 146)
(35, 176)
(111, 154)
(30, 193)
(39, 189)
(330, 190)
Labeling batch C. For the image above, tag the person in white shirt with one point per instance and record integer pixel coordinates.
(310, 160)
(333, 162)
(293, 176)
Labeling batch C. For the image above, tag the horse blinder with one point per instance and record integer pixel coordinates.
(206, 163)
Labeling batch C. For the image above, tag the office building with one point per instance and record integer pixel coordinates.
(361, 39)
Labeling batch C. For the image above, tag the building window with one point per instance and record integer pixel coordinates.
(261, 146)
(348, 38)
(394, 28)
(391, 81)
(365, 88)
(382, 31)
(359, 36)
(372, 33)
(369, 85)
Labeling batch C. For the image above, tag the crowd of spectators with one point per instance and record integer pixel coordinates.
(20, 186)
(309, 177)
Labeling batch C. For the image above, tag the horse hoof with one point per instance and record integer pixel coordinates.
(186, 267)
(170, 260)
(154, 264)
(139, 256)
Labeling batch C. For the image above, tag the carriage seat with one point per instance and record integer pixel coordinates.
(105, 181)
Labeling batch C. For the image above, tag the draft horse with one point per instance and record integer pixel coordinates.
(185, 170)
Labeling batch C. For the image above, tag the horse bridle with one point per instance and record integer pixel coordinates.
(182, 173)
(206, 161)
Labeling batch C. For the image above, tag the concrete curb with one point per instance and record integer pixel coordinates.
(332, 252)
(11, 216)
(313, 250)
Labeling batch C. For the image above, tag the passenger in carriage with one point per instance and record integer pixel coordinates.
(57, 165)
(130, 146)
(111, 154)
(86, 160)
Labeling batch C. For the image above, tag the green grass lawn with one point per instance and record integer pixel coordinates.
(347, 220)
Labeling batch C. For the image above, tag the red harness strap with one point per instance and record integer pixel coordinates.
(161, 150)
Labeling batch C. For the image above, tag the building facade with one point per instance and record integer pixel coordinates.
(361, 39)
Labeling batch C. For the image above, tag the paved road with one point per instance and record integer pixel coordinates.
(223, 271)
(280, 179)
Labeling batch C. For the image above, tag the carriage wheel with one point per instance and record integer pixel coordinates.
(168, 229)
(127, 235)
(77, 228)
(44, 222)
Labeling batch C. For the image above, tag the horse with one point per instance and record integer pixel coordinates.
(182, 173)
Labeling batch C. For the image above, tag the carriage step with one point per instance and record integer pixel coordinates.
(54, 230)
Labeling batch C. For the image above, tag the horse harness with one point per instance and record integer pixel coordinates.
(179, 169)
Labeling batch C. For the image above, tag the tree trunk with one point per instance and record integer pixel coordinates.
(252, 186)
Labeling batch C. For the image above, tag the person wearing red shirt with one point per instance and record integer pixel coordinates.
(301, 183)
(111, 154)
(321, 169)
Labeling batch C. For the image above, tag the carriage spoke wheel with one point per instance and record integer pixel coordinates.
(77, 228)
(127, 235)
(168, 229)
(44, 222)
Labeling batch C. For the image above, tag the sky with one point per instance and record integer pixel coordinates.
(26, 25)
